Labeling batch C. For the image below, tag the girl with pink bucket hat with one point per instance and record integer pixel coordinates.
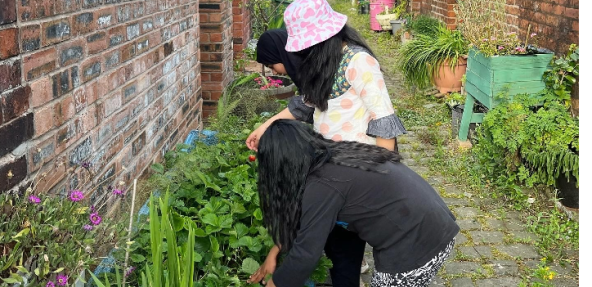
(344, 97)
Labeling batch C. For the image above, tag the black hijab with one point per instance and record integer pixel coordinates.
(271, 50)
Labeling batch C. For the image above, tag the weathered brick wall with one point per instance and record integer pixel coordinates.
(108, 82)
(555, 21)
(241, 27)
(216, 50)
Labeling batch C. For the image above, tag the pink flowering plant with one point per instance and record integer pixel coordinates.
(265, 83)
(47, 239)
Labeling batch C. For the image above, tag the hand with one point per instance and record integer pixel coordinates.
(253, 139)
(268, 267)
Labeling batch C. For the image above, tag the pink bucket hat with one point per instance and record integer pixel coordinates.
(310, 22)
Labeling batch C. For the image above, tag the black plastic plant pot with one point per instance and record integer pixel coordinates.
(568, 193)
(364, 9)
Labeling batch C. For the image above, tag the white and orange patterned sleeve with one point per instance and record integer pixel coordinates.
(365, 77)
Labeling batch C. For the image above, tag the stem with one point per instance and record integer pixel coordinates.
(129, 231)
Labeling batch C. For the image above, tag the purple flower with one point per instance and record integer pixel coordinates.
(95, 219)
(50, 284)
(92, 208)
(85, 164)
(129, 271)
(118, 191)
(87, 227)
(34, 199)
(62, 279)
(76, 195)
(533, 34)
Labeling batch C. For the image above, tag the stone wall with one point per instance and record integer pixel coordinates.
(555, 21)
(107, 82)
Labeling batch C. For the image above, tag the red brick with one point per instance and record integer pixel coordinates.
(97, 42)
(80, 99)
(83, 23)
(44, 119)
(40, 63)
(15, 103)
(88, 119)
(30, 38)
(41, 91)
(35, 9)
(66, 6)
(105, 17)
(215, 37)
(56, 31)
(572, 13)
(8, 12)
(64, 110)
(8, 43)
(71, 52)
(90, 69)
(10, 75)
(575, 26)
(128, 51)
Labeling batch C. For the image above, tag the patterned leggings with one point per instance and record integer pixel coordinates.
(419, 277)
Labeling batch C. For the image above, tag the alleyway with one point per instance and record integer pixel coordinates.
(495, 246)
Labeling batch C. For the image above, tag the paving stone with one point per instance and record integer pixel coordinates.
(430, 106)
(420, 170)
(519, 250)
(513, 226)
(460, 239)
(405, 147)
(476, 252)
(462, 282)
(429, 152)
(531, 264)
(405, 155)
(486, 202)
(468, 224)
(425, 160)
(450, 201)
(455, 268)
(453, 190)
(437, 282)
(563, 270)
(495, 224)
(435, 180)
(499, 282)
(505, 267)
(495, 237)
(466, 212)
(409, 162)
(565, 282)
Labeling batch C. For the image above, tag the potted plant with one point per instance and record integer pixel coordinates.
(496, 56)
(385, 18)
(534, 138)
(438, 60)
(363, 7)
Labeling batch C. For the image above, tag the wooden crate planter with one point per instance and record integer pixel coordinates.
(489, 76)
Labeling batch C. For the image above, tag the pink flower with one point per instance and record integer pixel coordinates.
(34, 199)
(118, 191)
(95, 219)
(533, 34)
(62, 279)
(500, 47)
(485, 40)
(87, 227)
(493, 38)
(50, 284)
(76, 195)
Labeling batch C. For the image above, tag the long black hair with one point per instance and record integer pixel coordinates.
(288, 152)
(321, 62)
(271, 50)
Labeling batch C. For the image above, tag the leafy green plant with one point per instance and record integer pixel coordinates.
(563, 74)
(424, 25)
(265, 14)
(421, 58)
(230, 100)
(51, 238)
(455, 99)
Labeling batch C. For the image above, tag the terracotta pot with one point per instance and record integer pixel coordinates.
(449, 80)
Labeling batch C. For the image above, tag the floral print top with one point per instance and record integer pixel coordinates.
(359, 108)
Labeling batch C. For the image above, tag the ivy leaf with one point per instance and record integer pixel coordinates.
(249, 266)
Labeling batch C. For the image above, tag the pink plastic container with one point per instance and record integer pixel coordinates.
(377, 7)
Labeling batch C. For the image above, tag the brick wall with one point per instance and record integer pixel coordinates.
(216, 50)
(241, 27)
(108, 82)
(555, 21)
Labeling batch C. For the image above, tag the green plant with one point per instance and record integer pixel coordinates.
(266, 15)
(455, 99)
(424, 25)
(230, 100)
(563, 74)
(484, 25)
(421, 58)
(49, 238)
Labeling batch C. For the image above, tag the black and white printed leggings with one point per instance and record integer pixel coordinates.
(419, 277)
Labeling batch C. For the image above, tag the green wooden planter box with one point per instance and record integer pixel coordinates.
(489, 76)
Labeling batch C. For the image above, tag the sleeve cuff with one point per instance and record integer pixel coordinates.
(300, 110)
(386, 127)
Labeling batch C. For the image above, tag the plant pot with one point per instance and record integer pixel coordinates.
(396, 25)
(568, 193)
(287, 91)
(450, 79)
(457, 112)
(406, 37)
(364, 8)
(385, 20)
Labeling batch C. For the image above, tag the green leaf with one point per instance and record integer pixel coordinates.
(214, 245)
(136, 258)
(249, 266)
(200, 233)
(211, 219)
(258, 214)
(158, 168)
